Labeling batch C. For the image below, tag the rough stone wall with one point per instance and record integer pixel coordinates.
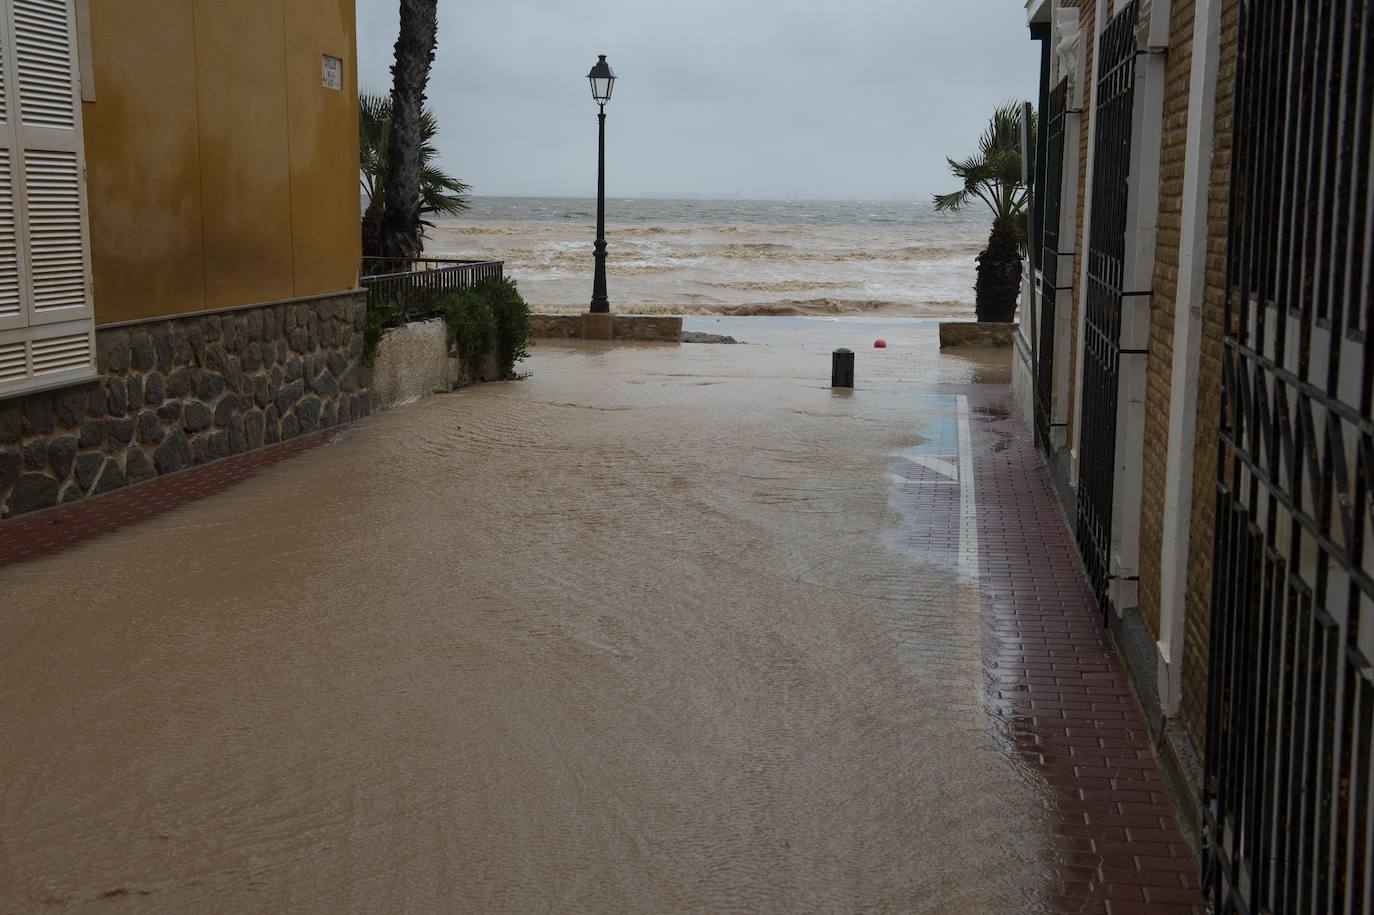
(174, 394)
(624, 327)
(641, 327)
(555, 327)
(1087, 21)
(1159, 361)
(1197, 624)
(976, 333)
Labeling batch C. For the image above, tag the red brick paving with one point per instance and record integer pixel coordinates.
(1059, 686)
(43, 533)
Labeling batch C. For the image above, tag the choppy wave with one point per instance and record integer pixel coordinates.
(650, 261)
(781, 285)
(788, 308)
(695, 255)
(771, 251)
(821, 306)
(446, 229)
(756, 249)
(750, 252)
(641, 269)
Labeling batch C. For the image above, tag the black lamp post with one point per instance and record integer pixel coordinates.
(603, 81)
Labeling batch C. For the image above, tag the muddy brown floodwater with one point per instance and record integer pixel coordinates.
(626, 636)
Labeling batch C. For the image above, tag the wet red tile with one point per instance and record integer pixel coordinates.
(1062, 691)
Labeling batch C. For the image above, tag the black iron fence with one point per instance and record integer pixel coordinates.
(413, 287)
(1115, 94)
(1049, 266)
(1288, 791)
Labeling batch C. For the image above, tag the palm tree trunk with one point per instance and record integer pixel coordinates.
(999, 273)
(401, 229)
(372, 227)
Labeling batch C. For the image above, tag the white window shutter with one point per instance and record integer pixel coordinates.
(46, 319)
(12, 313)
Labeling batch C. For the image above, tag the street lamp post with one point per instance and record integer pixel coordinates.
(603, 81)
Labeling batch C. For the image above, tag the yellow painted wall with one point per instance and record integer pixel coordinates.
(220, 170)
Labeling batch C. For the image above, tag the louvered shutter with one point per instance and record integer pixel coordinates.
(11, 307)
(46, 332)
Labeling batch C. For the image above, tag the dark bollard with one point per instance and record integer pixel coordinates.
(842, 369)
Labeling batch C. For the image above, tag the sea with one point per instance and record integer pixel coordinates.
(728, 257)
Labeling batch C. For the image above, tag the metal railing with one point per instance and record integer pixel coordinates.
(1114, 94)
(414, 286)
(1049, 268)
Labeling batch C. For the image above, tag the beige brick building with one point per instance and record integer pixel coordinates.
(1201, 345)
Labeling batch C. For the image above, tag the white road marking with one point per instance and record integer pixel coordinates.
(968, 502)
(941, 466)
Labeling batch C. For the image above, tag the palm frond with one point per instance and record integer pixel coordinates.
(952, 202)
(374, 135)
(439, 191)
(993, 174)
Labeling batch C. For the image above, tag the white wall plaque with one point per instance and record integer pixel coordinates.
(332, 73)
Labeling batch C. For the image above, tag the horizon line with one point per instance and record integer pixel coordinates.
(667, 195)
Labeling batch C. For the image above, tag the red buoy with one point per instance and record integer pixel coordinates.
(880, 344)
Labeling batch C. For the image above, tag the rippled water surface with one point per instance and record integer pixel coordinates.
(741, 256)
(625, 636)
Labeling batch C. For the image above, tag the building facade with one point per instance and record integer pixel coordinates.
(1194, 360)
(179, 242)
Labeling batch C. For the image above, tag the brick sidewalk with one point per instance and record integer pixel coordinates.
(50, 531)
(1062, 691)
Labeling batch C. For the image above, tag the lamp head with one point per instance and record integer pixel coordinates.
(602, 79)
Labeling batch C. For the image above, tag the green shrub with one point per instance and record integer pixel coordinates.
(471, 327)
(379, 321)
(490, 319)
(512, 323)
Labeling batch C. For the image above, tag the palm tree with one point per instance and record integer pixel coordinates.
(440, 193)
(402, 227)
(994, 177)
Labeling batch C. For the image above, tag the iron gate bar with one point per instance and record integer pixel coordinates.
(1049, 264)
(1115, 96)
(1287, 786)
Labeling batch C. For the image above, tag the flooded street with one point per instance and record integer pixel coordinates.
(635, 634)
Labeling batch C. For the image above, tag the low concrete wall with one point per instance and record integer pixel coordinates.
(1023, 380)
(626, 327)
(413, 361)
(974, 333)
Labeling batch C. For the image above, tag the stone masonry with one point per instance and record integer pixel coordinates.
(664, 328)
(179, 392)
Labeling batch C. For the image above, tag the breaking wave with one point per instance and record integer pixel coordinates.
(781, 285)
(935, 308)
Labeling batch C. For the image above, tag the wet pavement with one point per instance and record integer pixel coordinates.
(659, 628)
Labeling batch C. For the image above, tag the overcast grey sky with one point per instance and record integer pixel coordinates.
(760, 98)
